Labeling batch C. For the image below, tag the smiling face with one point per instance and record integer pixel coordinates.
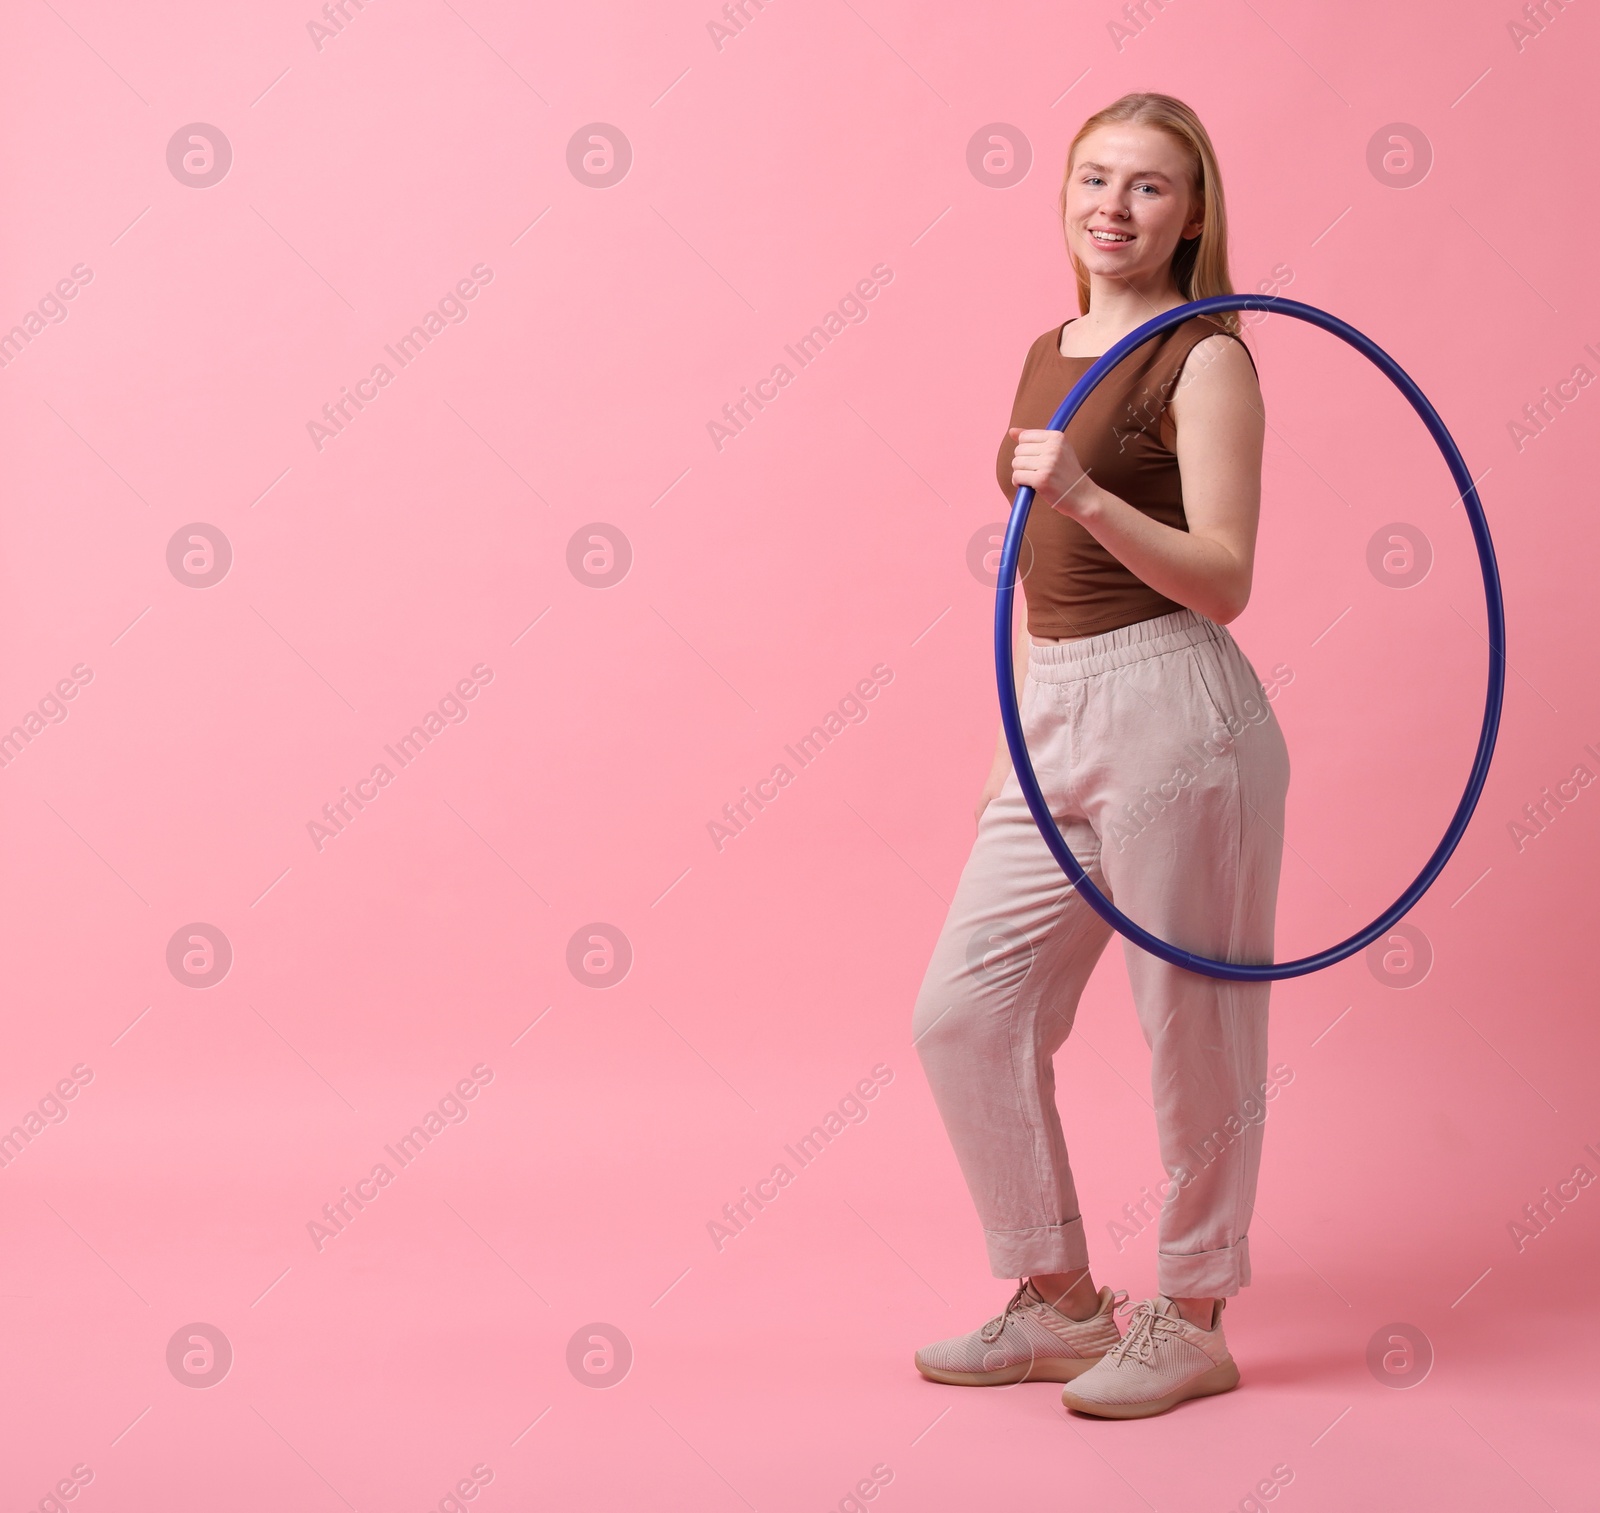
(1129, 202)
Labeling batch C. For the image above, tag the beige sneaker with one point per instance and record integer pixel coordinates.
(1159, 1362)
(1029, 1342)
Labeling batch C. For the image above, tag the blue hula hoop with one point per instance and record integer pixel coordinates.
(1012, 720)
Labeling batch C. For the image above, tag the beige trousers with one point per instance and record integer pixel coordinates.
(1162, 762)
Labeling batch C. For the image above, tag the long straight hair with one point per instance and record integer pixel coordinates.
(1199, 263)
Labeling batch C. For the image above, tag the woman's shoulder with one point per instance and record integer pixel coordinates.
(1046, 344)
(1210, 336)
(1200, 328)
(1044, 347)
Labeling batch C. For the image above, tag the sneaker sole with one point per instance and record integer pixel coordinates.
(1053, 1369)
(1223, 1378)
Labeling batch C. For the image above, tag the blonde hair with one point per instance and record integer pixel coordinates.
(1199, 263)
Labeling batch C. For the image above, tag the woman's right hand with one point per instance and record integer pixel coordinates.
(990, 790)
(1000, 768)
(998, 773)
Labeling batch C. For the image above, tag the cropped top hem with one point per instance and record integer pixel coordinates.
(1081, 629)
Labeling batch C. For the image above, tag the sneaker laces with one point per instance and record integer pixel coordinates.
(1145, 1328)
(1016, 1306)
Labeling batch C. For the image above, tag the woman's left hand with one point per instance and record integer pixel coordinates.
(1047, 463)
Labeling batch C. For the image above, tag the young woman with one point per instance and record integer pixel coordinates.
(1162, 763)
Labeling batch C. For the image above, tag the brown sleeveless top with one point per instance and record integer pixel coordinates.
(1124, 435)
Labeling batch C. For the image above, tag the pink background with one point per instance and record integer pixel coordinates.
(610, 1125)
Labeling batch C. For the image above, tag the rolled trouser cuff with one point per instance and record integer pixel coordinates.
(1206, 1274)
(1040, 1252)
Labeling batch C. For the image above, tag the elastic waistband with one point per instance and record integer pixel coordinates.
(1089, 656)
